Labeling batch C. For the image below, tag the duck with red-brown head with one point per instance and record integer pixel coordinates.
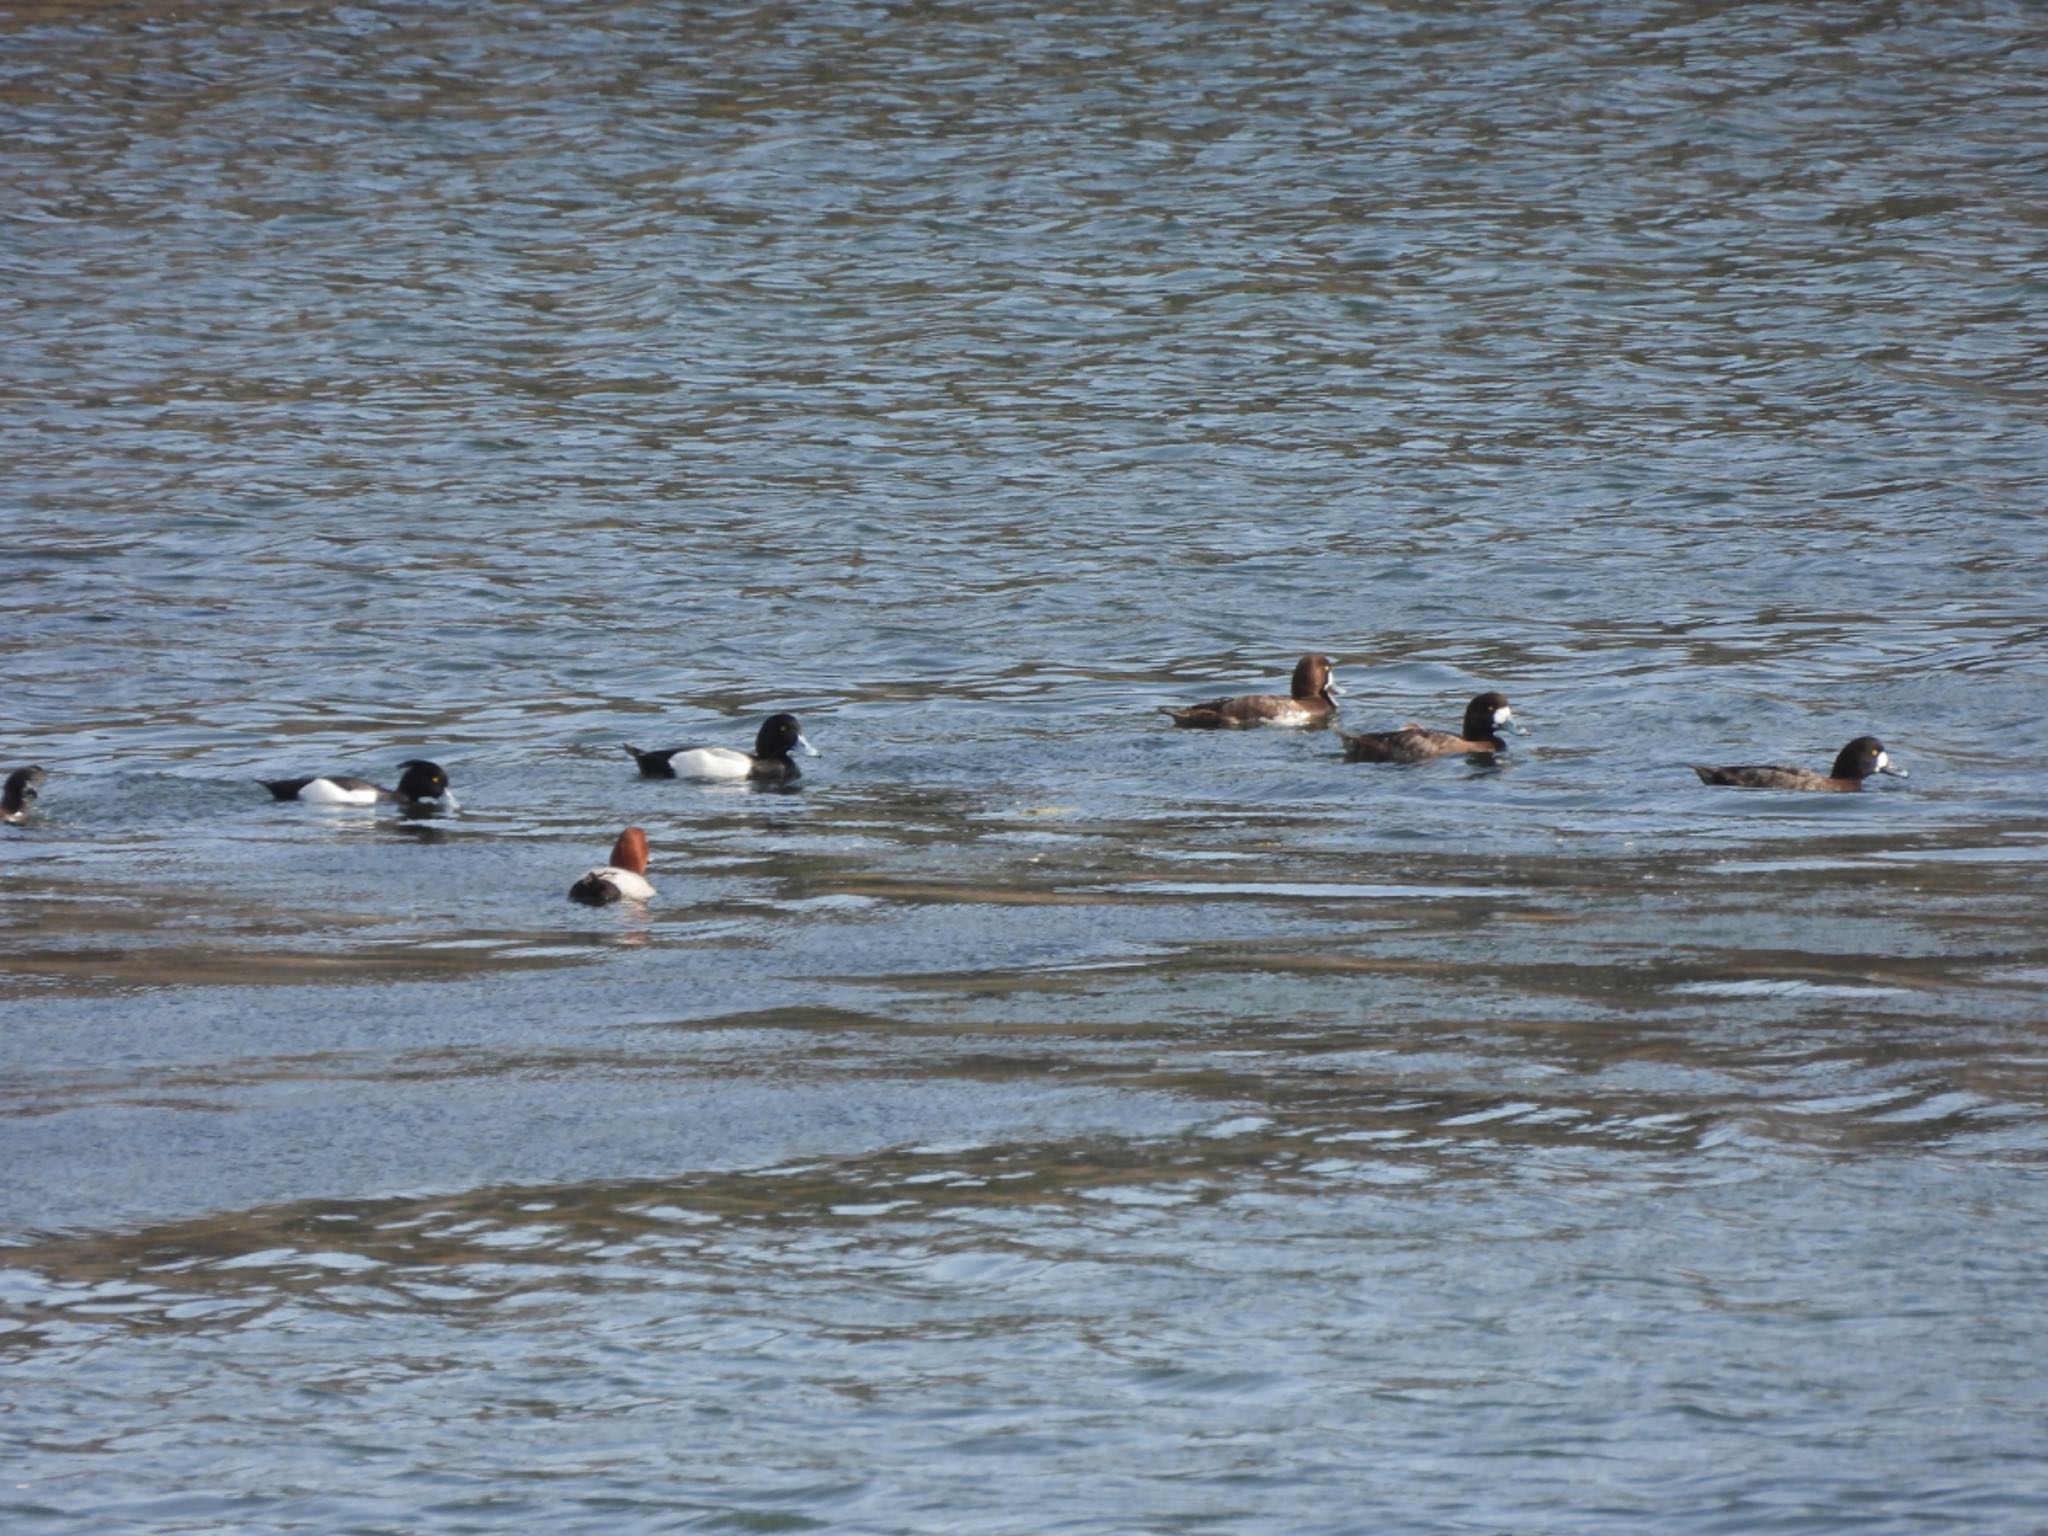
(1853, 764)
(623, 879)
(1311, 699)
(1485, 718)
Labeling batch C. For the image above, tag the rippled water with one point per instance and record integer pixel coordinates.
(1041, 1119)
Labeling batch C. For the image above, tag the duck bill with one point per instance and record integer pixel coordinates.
(805, 744)
(1887, 766)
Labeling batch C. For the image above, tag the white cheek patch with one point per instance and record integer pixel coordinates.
(1884, 761)
(1503, 715)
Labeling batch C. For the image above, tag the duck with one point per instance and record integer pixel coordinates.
(1311, 699)
(1853, 764)
(20, 789)
(420, 782)
(624, 879)
(1484, 717)
(768, 763)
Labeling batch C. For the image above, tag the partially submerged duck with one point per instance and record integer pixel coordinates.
(1484, 718)
(768, 763)
(420, 783)
(624, 879)
(21, 788)
(1853, 764)
(1311, 699)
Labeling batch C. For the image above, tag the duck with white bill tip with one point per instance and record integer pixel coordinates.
(420, 784)
(1480, 736)
(768, 763)
(1853, 764)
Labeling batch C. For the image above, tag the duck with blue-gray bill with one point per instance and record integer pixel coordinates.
(1311, 699)
(1485, 717)
(1853, 764)
(420, 784)
(768, 763)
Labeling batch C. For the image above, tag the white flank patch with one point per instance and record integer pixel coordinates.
(712, 763)
(327, 792)
(629, 885)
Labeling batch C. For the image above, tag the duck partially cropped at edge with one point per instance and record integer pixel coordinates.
(21, 788)
(1311, 699)
(1485, 716)
(1853, 764)
(624, 879)
(420, 783)
(768, 763)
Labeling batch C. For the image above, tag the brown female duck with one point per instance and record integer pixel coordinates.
(1310, 700)
(1853, 764)
(1484, 718)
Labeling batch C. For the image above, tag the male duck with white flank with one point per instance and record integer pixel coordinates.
(768, 763)
(420, 783)
(624, 879)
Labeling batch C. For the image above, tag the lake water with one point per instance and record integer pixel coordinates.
(1040, 1120)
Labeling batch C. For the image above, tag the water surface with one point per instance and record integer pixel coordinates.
(1040, 1119)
